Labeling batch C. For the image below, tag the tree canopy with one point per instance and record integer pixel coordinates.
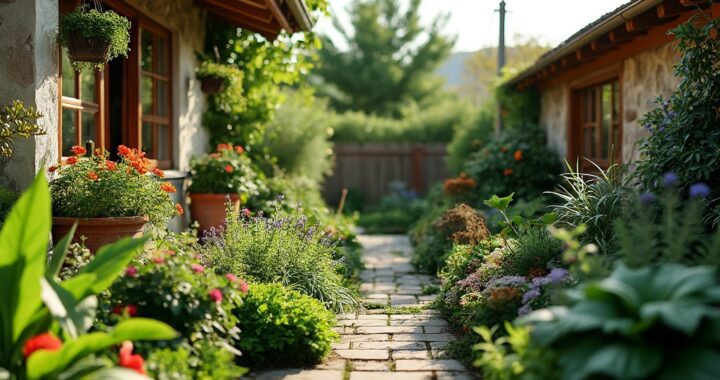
(388, 60)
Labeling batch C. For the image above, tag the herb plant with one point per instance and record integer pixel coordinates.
(91, 23)
(95, 187)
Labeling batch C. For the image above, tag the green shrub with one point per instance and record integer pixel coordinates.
(657, 322)
(468, 139)
(683, 132)
(396, 211)
(230, 98)
(534, 253)
(227, 171)
(205, 361)
(298, 137)
(283, 327)
(517, 162)
(286, 249)
(90, 23)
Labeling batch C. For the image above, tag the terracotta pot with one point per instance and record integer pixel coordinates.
(209, 209)
(212, 85)
(93, 50)
(99, 231)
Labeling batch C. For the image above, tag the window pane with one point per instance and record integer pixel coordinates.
(146, 94)
(87, 83)
(163, 152)
(593, 103)
(68, 76)
(69, 136)
(148, 142)
(162, 97)
(89, 127)
(589, 142)
(146, 51)
(162, 55)
(606, 113)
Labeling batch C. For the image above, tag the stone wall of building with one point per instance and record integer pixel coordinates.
(554, 110)
(645, 77)
(28, 72)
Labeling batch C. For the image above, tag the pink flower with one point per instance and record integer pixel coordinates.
(216, 295)
(131, 271)
(158, 260)
(231, 277)
(244, 287)
(197, 268)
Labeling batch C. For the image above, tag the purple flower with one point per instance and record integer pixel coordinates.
(511, 281)
(699, 190)
(670, 179)
(647, 198)
(557, 275)
(525, 310)
(530, 295)
(538, 282)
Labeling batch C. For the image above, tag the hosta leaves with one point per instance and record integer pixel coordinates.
(695, 363)
(615, 359)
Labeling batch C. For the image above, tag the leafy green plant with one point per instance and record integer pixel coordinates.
(37, 308)
(593, 200)
(683, 128)
(95, 187)
(513, 357)
(395, 213)
(656, 322)
(205, 360)
(7, 200)
(16, 120)
(91, 23)
(227, 171)
(283, 327)
(286, 249)
(230, 98)
(516, 224)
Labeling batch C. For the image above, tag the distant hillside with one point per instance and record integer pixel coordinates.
(452, 70)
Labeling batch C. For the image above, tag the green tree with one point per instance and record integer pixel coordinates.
(388, 61)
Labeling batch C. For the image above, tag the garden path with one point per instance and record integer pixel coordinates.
(395, 336)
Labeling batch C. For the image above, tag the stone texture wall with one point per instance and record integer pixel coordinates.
(645, 77)
(28, 71)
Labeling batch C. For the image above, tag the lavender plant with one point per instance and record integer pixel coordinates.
(284, 249)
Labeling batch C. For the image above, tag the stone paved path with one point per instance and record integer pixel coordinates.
(377, 345)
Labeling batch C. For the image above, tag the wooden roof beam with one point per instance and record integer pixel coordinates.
(621, 34)
(670, 9)
(279, 15)
(644, 21)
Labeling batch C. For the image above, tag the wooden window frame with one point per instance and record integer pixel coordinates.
(132, 115)
(610, 74)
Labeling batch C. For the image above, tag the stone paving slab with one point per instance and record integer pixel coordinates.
(429, 365)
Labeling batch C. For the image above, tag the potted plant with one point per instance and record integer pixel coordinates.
(218, 178)
(225, 81)
(94, 37)
(109, 200)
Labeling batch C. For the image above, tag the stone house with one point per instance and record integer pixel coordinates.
(596, 86)
(150, 100)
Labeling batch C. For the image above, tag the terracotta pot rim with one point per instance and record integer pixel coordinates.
(112, 220)
(214, 195)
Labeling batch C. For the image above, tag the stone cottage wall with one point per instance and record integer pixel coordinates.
(28, 72)
(554, 110)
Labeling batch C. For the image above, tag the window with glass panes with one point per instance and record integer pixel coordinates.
(155, 95)
(599, 124)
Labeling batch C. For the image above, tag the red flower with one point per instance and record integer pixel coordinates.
(158, 173)
(507, 172)
(123, 151)
(131, 271)
(216, 295)
(228, 169)
(110, 165)
(221, 147)
(231, 277)
(78, 150)
(169, 252)
(44, 341)
(92, 176)
(214, 155)
(168, 187)
(158, 260)
(71, 160)
(518, 155)
(121, 310)
(128, 360)
(52, 169)
(244, 287)
(179, 209)
(239, 149)
(197, 268)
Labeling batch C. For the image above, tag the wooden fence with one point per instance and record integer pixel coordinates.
(370, 168)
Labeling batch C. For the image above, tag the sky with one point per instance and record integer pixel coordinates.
(475, 22)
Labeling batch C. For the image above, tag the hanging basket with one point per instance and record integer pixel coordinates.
(212, 85)
(82, 49)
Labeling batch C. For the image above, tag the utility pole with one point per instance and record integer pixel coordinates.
(500, 63)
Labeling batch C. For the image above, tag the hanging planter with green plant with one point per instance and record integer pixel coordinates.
(225, 81)
(93, 37)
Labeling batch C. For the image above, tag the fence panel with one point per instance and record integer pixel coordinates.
(370, 168)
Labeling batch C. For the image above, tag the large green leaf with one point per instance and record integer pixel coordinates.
(675, 281)
(110, 261)
(143, 329)
(23, 244)
(692, 363)
(683, 315)
(74, 317)
(617, 360)
(59, 253)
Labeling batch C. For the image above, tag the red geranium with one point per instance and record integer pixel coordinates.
(78, 150)
(228, 169)
(72, 160)
(168, 187)
(197, 268)
(158, 173)
(110, 165)
(131, 271)
(179, 209)
(44, 341)
(129, 360)
(216, 295)
(92, 176)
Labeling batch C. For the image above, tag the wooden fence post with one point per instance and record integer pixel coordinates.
(417, 178)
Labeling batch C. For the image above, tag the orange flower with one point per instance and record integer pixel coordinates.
(228, 169)
(52, 169)
(168, 187)
(215, 155)
(111, 165)
(128, 360)
(44, 341)
(507, 172)
(71, 160)
(518, 155)
(93, 176)
(221, 147)
(158, 173)
(179, 209)
(239, 149)
(123, 150)
(78, 150)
